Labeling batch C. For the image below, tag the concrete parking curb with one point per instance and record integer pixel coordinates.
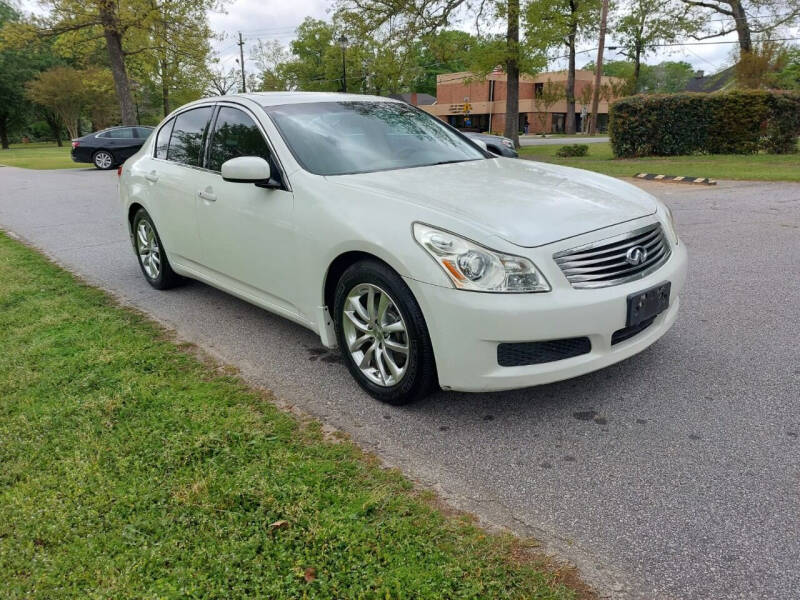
(676, 179)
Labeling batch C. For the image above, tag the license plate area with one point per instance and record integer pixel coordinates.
(648, 303)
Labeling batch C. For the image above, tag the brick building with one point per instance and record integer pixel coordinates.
(486, 98)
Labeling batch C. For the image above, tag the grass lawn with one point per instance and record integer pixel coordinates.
(724, 166)
(133, 469)
(39, 156)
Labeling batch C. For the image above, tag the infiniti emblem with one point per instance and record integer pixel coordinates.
(636, 255)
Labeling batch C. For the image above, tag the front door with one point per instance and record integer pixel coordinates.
(247, 232)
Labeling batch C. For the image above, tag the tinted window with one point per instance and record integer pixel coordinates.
(235, 134)
(124, 133)
(186, 143)
(334, 138)
(143, 132)
(162, 142)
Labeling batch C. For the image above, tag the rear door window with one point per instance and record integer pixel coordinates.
(235, 134)
(188, 135)
(143, 132)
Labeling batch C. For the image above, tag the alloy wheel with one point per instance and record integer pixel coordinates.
(103, 160)
(375, 334)
(148, 250)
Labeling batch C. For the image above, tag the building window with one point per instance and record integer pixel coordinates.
(538, 90)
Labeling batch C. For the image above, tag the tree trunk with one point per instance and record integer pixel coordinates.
(637, 69)
(116, 58)
(569, 126)
(512, 73)
(742, 26)
(4, 132)
(55, 129)
(164, 87)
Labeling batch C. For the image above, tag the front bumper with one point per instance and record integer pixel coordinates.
(466, 327)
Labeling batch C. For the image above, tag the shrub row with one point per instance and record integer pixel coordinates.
(572, 150)
(741, 122)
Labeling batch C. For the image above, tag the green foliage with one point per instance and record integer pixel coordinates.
(667, 77)
(16, 67)
(132, 470)
(789, 77)
(729, 123)
(572, 150)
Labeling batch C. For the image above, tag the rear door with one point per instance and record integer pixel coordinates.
(173, 178)
(123, 142)
(247, 232)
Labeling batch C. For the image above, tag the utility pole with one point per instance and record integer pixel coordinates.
(241, 54)
(598, 68)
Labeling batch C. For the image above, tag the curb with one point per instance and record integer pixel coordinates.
(676, 179)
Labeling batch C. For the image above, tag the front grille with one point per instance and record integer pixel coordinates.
(626, 333)
(606, 263)
(536, 353)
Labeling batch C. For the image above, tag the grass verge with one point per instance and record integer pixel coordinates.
(132, 469)
(764, 167)
(39, 156)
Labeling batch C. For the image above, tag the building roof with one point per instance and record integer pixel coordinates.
(712, 83)
(422, 98)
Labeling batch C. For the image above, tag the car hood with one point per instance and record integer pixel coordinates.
(524, 202)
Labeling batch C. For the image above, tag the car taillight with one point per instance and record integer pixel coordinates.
(119, 171)
(75, 144)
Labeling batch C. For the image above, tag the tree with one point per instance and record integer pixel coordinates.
(761, 67)
(567, 22)
(269, 56)
(789, 77)
(642, 24)
(746, 17)
(15, 68)
(62, 91)
(543, 99)
(447, 51)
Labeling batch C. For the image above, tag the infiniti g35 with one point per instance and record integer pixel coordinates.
(427, 260)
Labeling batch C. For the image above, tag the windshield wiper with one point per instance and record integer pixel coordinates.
(450, 162)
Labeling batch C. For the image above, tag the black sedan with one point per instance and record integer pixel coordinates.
(495, 144)
(109, 148)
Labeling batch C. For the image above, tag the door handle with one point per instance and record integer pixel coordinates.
(152, 176)
(207, 195)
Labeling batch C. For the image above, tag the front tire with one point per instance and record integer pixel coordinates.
(382, 334)
(103, 160)
(150, 251)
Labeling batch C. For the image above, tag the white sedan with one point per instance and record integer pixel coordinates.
(427, 260)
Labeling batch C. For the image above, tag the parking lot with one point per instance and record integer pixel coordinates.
(673, 475)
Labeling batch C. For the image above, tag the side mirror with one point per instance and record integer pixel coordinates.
(247, 169)
(481, 144)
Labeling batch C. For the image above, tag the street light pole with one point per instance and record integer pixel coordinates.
(343, 43)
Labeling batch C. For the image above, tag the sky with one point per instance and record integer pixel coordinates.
(278, 19)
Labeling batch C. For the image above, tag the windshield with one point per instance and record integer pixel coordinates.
(338, 138)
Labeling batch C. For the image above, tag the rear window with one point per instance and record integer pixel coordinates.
(188, 133)
(143, 132)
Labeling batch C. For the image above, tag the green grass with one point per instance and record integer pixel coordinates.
(766, 167)
(39, 155)
(133, 469)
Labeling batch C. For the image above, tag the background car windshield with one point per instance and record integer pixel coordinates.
(337, 138)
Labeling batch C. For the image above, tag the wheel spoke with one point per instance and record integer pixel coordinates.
(366, 361)
(396, 347)
(355, 302)
(396, 371)
(142, 233)
(371, 304)
(360, 325)
(396, 327)
(379, 354)
(383, 305)
(358, 342)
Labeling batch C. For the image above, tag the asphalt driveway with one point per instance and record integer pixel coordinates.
(675, 474)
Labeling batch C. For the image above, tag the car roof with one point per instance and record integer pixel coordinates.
(267, 99)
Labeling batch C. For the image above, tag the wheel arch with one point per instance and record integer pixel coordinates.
(339, 265)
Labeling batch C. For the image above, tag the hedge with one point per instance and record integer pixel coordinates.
(741, 122)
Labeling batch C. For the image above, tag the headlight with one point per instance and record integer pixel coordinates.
(507, 142)
(473, 267)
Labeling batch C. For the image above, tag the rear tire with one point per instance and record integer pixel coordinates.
(382, 334)
(103, 160)
(151, 254)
